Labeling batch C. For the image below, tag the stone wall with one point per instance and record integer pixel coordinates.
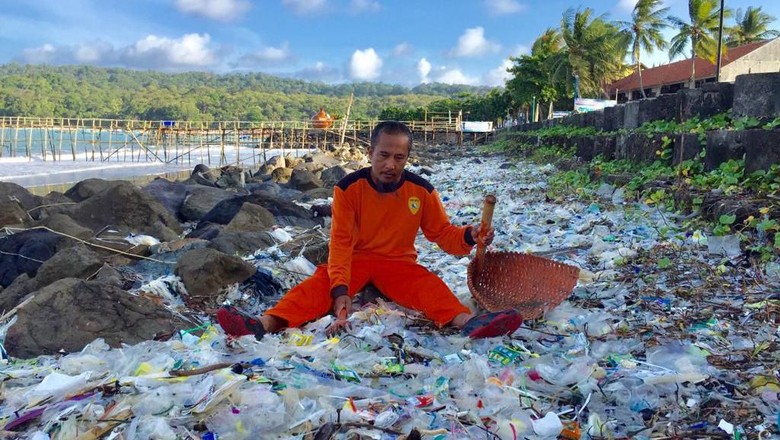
(756, 95)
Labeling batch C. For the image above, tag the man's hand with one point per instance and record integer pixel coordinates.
(485, 237)
(342, 308)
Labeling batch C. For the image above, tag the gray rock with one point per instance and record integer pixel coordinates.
(205, 272)
(126, 208)
(331, 176)
(89, 187)
(70, 313)
(241, 243)
(12, 213)
(10, 191)
(304, 180)
(200, 200)
(170, 194)
(78, 261)
(281, 175)
(251, 218)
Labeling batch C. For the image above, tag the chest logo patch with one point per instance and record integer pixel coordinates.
(414, 205)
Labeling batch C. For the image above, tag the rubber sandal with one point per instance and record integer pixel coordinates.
(237, 323)
(489, 325)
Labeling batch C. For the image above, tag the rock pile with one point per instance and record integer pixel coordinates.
(71, 264)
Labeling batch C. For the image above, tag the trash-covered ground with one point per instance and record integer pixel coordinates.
(670, 333)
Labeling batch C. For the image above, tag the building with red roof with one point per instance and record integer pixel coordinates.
(758, 57)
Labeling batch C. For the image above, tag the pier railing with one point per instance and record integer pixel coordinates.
(165, 141)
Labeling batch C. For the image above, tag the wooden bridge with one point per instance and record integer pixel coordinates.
(213, 143)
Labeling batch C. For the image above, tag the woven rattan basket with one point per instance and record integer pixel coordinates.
(533, 285)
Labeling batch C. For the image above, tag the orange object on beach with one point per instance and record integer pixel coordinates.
(322, 119)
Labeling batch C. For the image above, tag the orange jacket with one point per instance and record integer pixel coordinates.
(368, 224)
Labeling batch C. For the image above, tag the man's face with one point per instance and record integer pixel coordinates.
(388, 158)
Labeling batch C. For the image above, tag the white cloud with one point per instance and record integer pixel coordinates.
(424, 69)
(319, 71)
(503, 7)
(473, 43)
(220, 10)
(267, 56)
(499, 75)
(455, 76)
(305, 6)
(402, 49)
(365, 65)
(365, 5)
(96, 52)
(626, 5)
(191, 50)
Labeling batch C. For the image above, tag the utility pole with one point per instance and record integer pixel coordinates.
(720, 41)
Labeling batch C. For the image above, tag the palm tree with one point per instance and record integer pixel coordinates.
(700, 32)
(751, 26)
(533, 74)
(594, 50)
(644, 31)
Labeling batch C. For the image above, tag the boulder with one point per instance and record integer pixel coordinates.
(285, 212)
(304, 180)
(24, 252)
(205, 272)
(202, 172)
(200, 200)
(321, 159)
(78, 261)
(241, 243)
(170, 194)
(331, 176)
(12, 213)
(281, 175)
(89, 187)
(10, 191)
(52, 203)
(250, 218)
(126, 208)
(266, 188)
(70, 313)
(231, 177)
(315, 194)
(66, 225)
(276, 162)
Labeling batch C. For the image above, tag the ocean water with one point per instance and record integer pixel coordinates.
(44, 175)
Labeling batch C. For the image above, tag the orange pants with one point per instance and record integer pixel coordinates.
(407, 284)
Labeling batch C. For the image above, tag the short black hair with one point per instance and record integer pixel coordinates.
(392, 128)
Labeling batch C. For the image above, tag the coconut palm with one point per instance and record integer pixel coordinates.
(593, 51)
(750, 26)
(533, 74)
(644, 31)
(700, 32)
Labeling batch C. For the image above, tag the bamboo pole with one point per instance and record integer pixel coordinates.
(29, 144)
(2, 136)
(346, 118)
(62, 133)
(16, 138)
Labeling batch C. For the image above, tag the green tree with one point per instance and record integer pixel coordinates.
(752, 25)
(533, 76)
(644, 32)
(593, 51)
(701, 32)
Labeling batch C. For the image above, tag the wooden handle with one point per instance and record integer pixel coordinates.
(487, 220)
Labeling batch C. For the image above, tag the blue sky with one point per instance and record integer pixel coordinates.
(393, 41)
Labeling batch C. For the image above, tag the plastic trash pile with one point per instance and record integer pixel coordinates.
(667, 335)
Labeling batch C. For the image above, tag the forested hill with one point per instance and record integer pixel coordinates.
(96, 92)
